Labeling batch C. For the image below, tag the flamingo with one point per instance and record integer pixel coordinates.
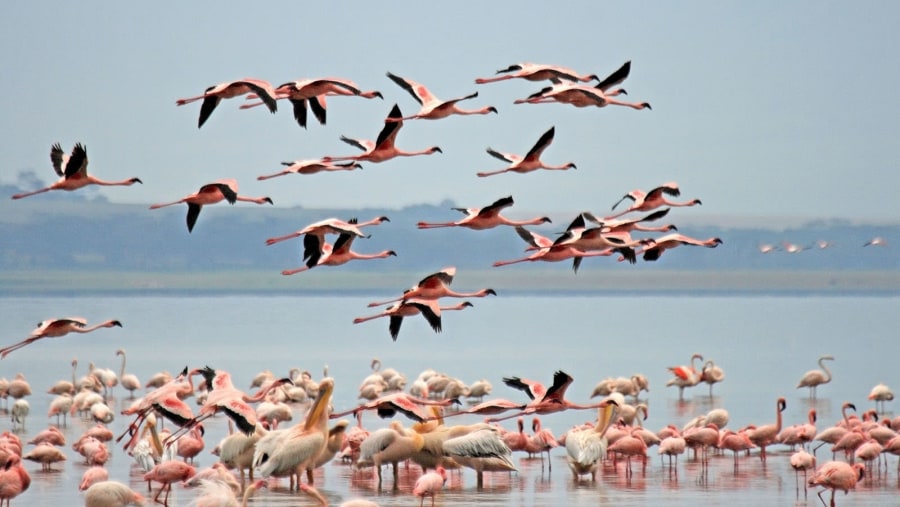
(604, 238)
(166, 473)
(656, 247)
(429, 308)
(578, 95)
(799, 433)
(93, 475)
(711, 374)
(630, 445)
(531, 161)
(735, 442)
(672, 445)
(814, 378)
(801, 461)
(537, 72)
(880, 394)
(219, 494)
(429, 484)
(435, 286)
(72, 172)
(383, 148)
(585, 447)
(111, 494)
(129, 380)
(633, 224)
(212, 193)
(311, 167)
(314, 235)
(685, 376)
(434, 108)
(314, 91)
(766, 435)
(14, 479)
(55, 328)
(876, 241)
(338, 254)
(545, 400)
(164, 400)
(836, 475)
(388, 405)
(655, 198)
(548, 252)
(485, 218)
(228, 90)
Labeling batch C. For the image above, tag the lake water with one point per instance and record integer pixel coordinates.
(763, 343)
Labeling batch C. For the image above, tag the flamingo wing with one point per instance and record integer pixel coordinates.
(192, 214)
(431, 312)
(265, 93)
(496, 206)
(532, 238)
(529, 387)
(300, 111)
(668, 189)
(318, 108)
(634, 195)
(535, 152)
(506, 157)
(312, 249)
(342, 244)
(57, 159)
(616, 78)
(394, 325)
(418, 91)
(390, 129)
(561, 382)
(207, 107)
(364, 145)
(436, 280)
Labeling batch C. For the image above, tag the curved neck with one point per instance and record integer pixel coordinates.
(825, 369)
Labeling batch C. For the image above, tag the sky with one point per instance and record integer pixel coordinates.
(760, 109)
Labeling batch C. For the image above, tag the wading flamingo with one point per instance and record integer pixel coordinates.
(814, 378)
(228, 90)
(429, 308)
(531, 161)
(128, 380)
(766, 435)
(211, 193)
(383, 148)
(434, 108)
(54, 328)
(685, 376)
(429, 484)
(435, 286)
(72, 172)
(836, 475)
(485, 218)
(537, 72)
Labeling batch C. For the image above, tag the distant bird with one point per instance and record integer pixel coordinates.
(311, 167)
(54, 328)
(537, 72)
(429, 308)
(20, 410)
(767, 248)
(429, 484)
(531, 161)
(435, 286)
(434, 108)
(711, 374)
(793, 247)
(337, 254)
(814, 378)
(485, 218)
(655, 249)
(128, 380)
(655, 198)
(383, 148)
(212, 193)
(228, 90)
(314, 235)
(72, 172)
(111, 494)
(836, 475)
(313, 92)
(880, 394)
(876, 241)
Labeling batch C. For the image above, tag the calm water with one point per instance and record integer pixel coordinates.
(764, 344)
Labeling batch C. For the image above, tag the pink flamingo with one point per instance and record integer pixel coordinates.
(764, 436)
(92, 476)
(429, 308)
(531, 161)
(836, 475)
(314, 92)
(165, 400)
(735, 442)
(311, 167)
(228, 90)
(799, 433)
(541, 441)
(516, 440)
(552, 400)
(633, 224)
(388, 405)
(435, 286)
(602, 238)
(212, 193)
(338, 254)
(537, 72)
(578, 95)
(314, 235)
(814, 378)
(801, 461)
(383, 148)
(166, 473)
(72, 172)
(434, 108)
(485, 218)
(655, 198)
(548, 252)
(628, 446)
(685, 376)
(656, 247)
(111, 494)
(55, 328)
(429, 484)
(14, 479)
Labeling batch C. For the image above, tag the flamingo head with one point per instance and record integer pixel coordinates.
(435, 149)
(492, 109)
(135, 180)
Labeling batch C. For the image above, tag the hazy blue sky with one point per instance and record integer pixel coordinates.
(766, 109)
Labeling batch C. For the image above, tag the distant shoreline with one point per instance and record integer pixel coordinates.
(523, 281)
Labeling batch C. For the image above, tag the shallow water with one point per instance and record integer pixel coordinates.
(764, 344)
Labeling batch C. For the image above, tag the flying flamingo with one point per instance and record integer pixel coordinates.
(655, 198)
(72, 172)
(429, 484)
(435, 286)
(388, 405)
(211, 193)
(434, 108)
(314, 91)
(551, 401)
(548, 252)
(383, 148)
(814, 378)
(584, 238)
(655, 248)
(228, 90)
(531, 161)
(429, 308)
(580, 95)
(836, 475)
(876, 241)
(111, 494)
(338, 254)
(537, 72)
(314, 235)
(311, 167)
(54, 328)
(634, 224)
(766, 435)
(166, 401)
(485, 218)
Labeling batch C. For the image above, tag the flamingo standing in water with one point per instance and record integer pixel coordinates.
(531, 161)
(836, 475)
(814, 378)
(14, 479)
(429, 308)
(311, 167)
(383, 148)
(111, 494)
(72, 172)
(429, 484)
(211, 193)
(435, 286)
(434, 108)
(314, 91)
(685, 376)
(54, 328)
(655, 198)
(537, 72)
(766, 435)
(485, 218)
(314, 235)
(228, 90)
